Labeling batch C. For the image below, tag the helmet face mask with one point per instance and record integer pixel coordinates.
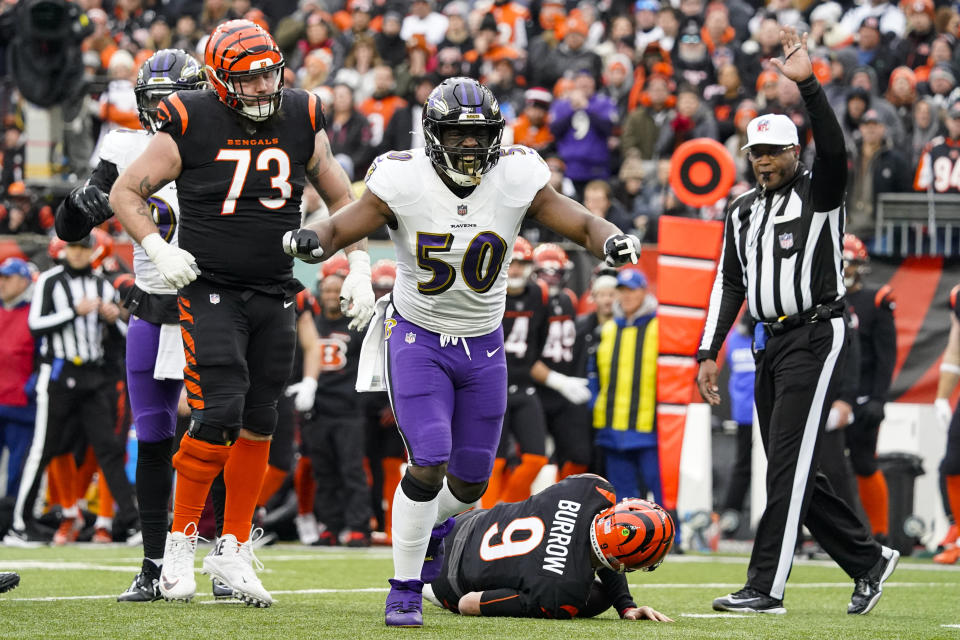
(552, 266)
(459, 110)
(245, 67)
(855, 260)
(164, 72)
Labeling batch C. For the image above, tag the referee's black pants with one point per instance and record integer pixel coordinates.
(797, 380)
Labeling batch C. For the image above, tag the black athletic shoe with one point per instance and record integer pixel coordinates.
(749, 600)
(145, 587)
(8, 580)
(869, 587)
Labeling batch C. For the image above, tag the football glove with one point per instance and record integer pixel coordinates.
(303, 244)
(944, 412)
(621, 248)
(177, 266)
(356, 294)
(92, 203)
(304, 393)
(573, 389)
(872, 410)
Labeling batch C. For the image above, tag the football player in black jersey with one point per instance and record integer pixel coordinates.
(240, 155)
(871, 310)
(950, 420)
(559, 554)
(524, 330)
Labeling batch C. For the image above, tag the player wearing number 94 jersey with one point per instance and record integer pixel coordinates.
(453, 210)
(559, 554)
(239, 154)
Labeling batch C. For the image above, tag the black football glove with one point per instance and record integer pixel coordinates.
(872, 411)
(620, 249)
(303, 244)
(92, 203)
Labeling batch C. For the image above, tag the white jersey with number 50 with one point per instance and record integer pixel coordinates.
(122, 147)
(453, 253)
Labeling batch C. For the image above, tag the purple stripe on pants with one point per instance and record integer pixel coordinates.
(449, 407)
(153, 402)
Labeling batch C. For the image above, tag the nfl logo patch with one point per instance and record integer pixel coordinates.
(410, 338)
(763, 125)
(214, 298)
(786, 240)
(462, 210)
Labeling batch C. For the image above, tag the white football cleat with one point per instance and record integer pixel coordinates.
(177, 581)
(307, 528)
(233, 564)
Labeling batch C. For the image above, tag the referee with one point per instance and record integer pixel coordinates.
(782, 252)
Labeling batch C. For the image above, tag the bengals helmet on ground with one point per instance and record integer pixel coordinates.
(240, 52)
(632, 534)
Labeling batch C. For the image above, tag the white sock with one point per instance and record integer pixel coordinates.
(412, 523)
(104, 522)
(449, 505)
(70, 512)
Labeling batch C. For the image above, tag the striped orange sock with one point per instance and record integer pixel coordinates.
(953, 495)
(197, 463)
(304, 485)
(875, 500)
(106, 508)
(518, 488)
(391, 480)
(243, 475)
(495, 485)
(272, 481)
(571, 469)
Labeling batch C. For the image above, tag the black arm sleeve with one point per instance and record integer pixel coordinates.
(726, 298)
(885, 348)
(615, 587)
(830, 165)
(70, 223)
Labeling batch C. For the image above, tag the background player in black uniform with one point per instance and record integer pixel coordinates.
(559, 554)
(950, 465)
(524, 330)
(240, 156)
(564, 403)
(333, 433)
(872, 311)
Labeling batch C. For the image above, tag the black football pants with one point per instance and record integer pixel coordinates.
(796, 382)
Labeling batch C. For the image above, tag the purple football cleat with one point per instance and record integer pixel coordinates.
(433, 561)
(404, 604)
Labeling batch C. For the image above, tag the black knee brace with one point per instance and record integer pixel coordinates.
(417, 490)
(213, 434)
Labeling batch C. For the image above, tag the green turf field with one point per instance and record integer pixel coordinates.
(328, 593)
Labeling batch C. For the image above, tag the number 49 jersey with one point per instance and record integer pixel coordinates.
(453, 253)
(540, 547)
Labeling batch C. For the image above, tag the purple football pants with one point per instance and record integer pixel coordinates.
(449, 404)
(153, 402)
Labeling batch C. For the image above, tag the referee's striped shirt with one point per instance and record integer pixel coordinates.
(65, 335)
(782, 248)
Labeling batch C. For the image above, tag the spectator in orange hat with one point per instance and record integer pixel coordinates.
(571, 55)
(654, 112)
(902, 94)
(617, 82)
(767, 90)
(531, 128)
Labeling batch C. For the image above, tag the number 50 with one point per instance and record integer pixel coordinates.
(479, 268)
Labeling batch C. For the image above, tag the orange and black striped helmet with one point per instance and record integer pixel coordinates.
(238, 53)
(632, 534)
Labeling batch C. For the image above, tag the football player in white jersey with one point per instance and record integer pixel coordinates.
(155, 358)
(453, 210)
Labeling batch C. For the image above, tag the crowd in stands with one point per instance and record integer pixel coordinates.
(606, 91)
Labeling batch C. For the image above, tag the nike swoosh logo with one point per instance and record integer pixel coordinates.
(287, 303)
(167, 584)
(490, 354)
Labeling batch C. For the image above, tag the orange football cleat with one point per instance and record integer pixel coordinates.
(950, 555)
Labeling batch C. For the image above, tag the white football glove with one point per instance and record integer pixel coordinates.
(621, 248)
(356, 294)
(177, 266)
(304, 392)
(944, 412)
(573, 389)
(303, 244)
